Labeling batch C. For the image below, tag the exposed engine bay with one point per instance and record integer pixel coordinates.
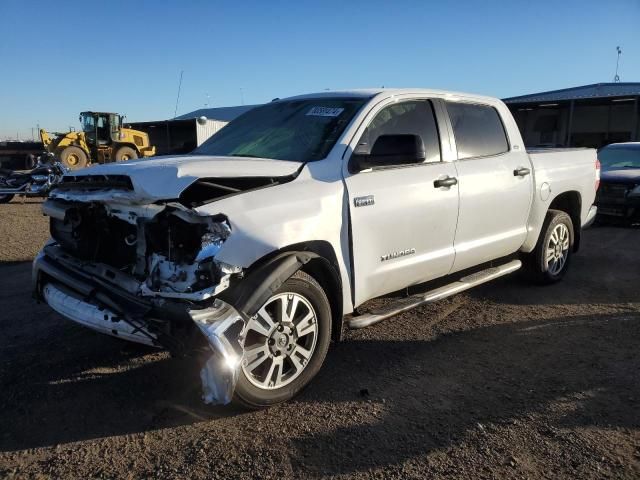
(171, 253)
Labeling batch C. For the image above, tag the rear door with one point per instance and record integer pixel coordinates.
(403, 226)
(495, 184)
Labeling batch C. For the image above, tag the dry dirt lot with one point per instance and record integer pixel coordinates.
(507, 381)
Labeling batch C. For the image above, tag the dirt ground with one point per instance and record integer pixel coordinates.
(506, 381)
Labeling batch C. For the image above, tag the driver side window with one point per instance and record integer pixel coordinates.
(405, 118)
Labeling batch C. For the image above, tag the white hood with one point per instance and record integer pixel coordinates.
(162, 178)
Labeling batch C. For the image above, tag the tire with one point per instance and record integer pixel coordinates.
(125, 153)
(74, 158)
(556, 242)
(293, 373)
(6, 198)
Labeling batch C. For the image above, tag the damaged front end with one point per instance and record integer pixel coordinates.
(145, 272)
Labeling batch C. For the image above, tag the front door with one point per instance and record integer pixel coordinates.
(403, 226)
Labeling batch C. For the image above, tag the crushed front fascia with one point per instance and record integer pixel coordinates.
(200, 295)
(223, 327)
(97, 318)
(119, 206)
(103, 195)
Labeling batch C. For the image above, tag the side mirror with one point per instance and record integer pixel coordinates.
(390, 150)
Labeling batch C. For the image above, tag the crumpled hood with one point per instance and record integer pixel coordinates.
(624, 175)
(163, 178)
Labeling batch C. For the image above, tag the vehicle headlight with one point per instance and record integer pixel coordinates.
(635, 192)
(213, 240)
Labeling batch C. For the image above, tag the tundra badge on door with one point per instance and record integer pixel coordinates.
(401, 253)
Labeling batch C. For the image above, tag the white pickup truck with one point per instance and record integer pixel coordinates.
(258, 247)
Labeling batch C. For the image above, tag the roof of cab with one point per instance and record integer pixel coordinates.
(390, 92)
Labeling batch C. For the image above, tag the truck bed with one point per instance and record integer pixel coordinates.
(562, 170)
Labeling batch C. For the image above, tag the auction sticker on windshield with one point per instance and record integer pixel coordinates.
(325, 111)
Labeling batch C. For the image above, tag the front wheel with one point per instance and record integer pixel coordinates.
(550, 259)
(286, 343)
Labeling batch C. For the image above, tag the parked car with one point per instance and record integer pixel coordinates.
(619, 194)
(261, 244)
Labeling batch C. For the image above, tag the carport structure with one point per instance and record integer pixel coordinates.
(587, 116)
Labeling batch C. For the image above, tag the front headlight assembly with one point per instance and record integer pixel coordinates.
(212, 241)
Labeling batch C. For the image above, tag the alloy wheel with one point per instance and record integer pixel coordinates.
(557, 250)
(279, 341)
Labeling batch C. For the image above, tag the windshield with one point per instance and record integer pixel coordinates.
(614, 157)
(88, 123)
(296, 130)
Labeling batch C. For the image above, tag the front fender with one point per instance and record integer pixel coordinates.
(272, 219)
(250, 293)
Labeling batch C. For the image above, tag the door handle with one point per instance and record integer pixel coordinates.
(445, 182)
(521, 172)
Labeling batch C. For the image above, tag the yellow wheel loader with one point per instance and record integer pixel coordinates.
(103, 139)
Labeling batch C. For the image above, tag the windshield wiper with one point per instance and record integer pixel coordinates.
(248, 155)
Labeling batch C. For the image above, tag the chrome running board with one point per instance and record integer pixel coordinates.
(414, 301)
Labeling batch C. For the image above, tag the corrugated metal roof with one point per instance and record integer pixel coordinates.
(224, 114)
(596, 90)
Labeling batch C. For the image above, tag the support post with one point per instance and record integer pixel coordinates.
(570, 123)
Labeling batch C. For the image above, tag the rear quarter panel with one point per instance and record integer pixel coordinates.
(555, 172)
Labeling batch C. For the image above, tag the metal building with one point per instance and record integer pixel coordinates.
(186, 132)
(222, 114)
(587, 116)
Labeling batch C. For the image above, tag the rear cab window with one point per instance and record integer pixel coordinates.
(478, 130)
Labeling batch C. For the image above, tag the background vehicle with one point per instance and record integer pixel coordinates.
(19, 155)
(36, 183)
(619, 194)
(296, 214)
(103, 139)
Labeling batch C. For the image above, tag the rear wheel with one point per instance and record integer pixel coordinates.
(5, 198)
(74, 158)
(125, 153)
(286, 343)
(549, 261)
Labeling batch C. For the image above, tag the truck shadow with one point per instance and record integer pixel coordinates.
(575, 372)
(97, 387)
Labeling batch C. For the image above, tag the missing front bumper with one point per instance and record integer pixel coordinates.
(93, 316)
(93, 305)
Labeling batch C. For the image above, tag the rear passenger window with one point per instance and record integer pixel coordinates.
(408, 118)
(478, 130)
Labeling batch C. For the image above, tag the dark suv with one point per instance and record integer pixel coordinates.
(619, 193)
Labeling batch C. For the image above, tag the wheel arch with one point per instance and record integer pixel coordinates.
(265, 275)
(571, 203)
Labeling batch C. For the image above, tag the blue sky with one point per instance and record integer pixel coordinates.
(59, 58)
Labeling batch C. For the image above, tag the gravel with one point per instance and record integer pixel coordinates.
(508, 380)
